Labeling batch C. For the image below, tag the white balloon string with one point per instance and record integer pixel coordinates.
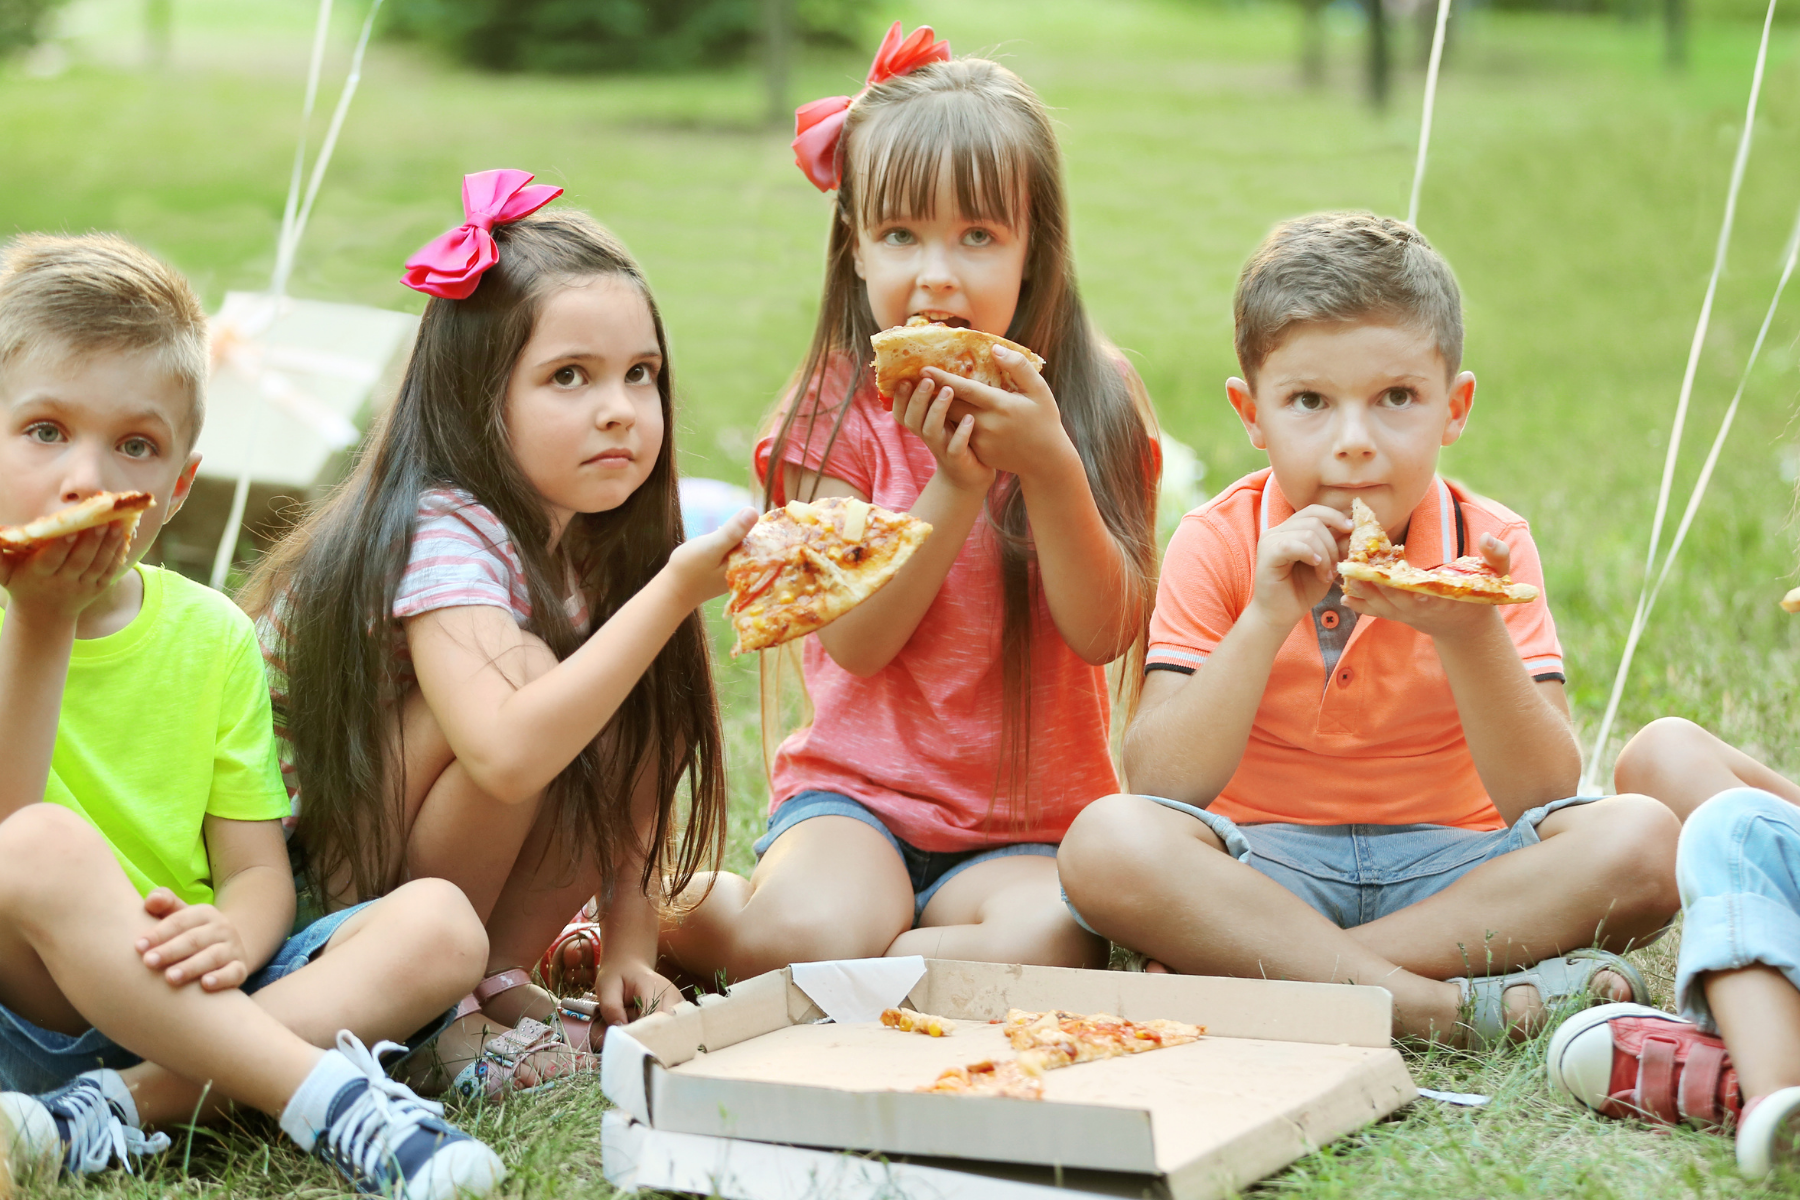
(1589, 783)
(1431, 80)
(321, 28)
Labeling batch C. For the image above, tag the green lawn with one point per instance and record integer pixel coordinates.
(1575, 185)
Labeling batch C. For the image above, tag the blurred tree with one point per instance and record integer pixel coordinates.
(1675, 23)
(1380, 55)
(614, 35)
(159, 29)
(778, 48)
(23, 22)
(1312, 42)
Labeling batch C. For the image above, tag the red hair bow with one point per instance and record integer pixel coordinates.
(819, 126)
(451, 264)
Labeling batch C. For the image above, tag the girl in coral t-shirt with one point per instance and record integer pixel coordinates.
(961, 713)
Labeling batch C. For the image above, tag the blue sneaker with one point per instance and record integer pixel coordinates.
(387, 1141)
(82, 1127)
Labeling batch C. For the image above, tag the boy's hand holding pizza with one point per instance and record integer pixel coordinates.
(59, 579)
(1296, 564)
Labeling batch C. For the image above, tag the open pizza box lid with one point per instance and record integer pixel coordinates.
(1284, 1069)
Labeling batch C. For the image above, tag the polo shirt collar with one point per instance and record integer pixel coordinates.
(1430, 536)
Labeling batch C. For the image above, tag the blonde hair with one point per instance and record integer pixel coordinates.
(1004, 165)
(1344, 266)
(99, 292)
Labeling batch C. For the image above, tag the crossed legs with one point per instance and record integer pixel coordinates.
(1159, 881)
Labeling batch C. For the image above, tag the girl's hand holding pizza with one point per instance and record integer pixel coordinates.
(61, 578)
(926, 411)
(1013, 431)
(698, 566)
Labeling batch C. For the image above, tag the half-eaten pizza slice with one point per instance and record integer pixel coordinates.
(1375, 559)
(903, 352)
(1048, 1040)
(101, 509)
(803, 566)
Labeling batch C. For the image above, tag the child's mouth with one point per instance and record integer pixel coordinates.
(938, 317)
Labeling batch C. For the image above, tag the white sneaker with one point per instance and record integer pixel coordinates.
(387, 1141)
(1769, 1134)
(84, 1126)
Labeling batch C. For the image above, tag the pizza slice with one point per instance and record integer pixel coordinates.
(1006, 1078)
(123, 507)
(803, 566)
(903, 352)
(908, 1021)
(1049, 1040)
(1375, 559)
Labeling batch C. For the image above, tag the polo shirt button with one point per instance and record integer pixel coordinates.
(1329, 618)
(1345, 676)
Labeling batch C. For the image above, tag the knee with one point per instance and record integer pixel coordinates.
(1635, 856)
(434, 913)
(1713, 829)
(813, 934)
(1658, 746)
(1101, 858)
(44, 846)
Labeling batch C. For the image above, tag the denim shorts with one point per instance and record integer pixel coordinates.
(1738, 865)
(929, 870)
(36, 1060)
(1355, 874)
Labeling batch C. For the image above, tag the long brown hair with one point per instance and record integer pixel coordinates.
(331, 586)
(1005, 166)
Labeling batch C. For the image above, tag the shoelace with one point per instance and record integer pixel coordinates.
(363, 1138)
(97, 1135)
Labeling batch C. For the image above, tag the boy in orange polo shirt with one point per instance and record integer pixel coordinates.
(1361, 784)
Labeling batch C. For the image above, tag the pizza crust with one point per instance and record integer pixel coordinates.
(803, 566)
(102, 509)
(903, 352)
(1375, 559)
(908, 1021)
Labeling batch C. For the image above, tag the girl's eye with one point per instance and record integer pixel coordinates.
(568, 377)
(640, 374)
(137, 447)
(978, 237)
(1309, 401)
(44, 433)
(898, 237)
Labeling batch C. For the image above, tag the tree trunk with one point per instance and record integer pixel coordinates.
(1380, 57)
(1312, 42)
(1675, 28)
(778, 47)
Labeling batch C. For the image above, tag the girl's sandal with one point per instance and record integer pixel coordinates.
(1558, 980)
(1631, 1060)
(554, 968)
(571, 1026)
(490, 1076)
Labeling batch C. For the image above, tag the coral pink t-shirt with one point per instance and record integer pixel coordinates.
(919, 742)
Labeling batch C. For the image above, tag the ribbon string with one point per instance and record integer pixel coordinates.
(1431, 82)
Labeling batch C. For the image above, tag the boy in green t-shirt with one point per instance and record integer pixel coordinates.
(146, 893)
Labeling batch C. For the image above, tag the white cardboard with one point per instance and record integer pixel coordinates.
(852, 990)
(623, 1064)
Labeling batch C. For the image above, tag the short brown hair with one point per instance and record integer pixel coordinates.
(1344, 266)
(100, 292)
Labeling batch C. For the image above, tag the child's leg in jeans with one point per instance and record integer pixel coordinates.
(386, 973)
(829, 887)
(1683, 765)
(1007, 910)
(1159, 881)
(68, 920)
(1739, 868)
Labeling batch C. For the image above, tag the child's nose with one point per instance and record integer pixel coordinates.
(81, 477)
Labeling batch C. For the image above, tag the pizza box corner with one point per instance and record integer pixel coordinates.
(1285, 1068)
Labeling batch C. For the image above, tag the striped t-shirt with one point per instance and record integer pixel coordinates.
(461, 556)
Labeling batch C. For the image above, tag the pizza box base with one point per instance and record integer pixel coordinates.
(1286, 1067)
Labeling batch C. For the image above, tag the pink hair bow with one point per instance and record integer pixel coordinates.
(819, 126)
(451, 264)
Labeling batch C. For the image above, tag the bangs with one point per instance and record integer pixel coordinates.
(900, 153)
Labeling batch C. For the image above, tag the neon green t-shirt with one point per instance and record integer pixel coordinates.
(162, 723)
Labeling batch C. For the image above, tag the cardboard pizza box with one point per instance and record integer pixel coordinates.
(1285, 1068)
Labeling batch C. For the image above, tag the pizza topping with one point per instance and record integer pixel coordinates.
(1471, 579)
(1008, 1079)
(101, 509)
(903, 352)
(1058, 1039)
(856, 519)
(908, 1021)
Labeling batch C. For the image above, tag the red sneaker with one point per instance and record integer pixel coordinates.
(1630, 1060)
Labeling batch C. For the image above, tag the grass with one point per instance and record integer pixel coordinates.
(1575, 184)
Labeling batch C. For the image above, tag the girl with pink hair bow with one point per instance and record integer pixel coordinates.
(484, 651)
(962, 712)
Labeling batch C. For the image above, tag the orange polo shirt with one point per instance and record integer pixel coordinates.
(1379, 742)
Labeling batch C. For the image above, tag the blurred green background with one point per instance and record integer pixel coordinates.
(1576, 185)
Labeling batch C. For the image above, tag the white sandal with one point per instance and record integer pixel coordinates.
(1769, 1134)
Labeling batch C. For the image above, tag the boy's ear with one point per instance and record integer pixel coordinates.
(1243, 400)
(1462, 399)
(184, 483)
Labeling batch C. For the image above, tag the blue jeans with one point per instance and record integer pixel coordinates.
(1739, 870)
(929, 870)
(1355, 874)
(36, 1060)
